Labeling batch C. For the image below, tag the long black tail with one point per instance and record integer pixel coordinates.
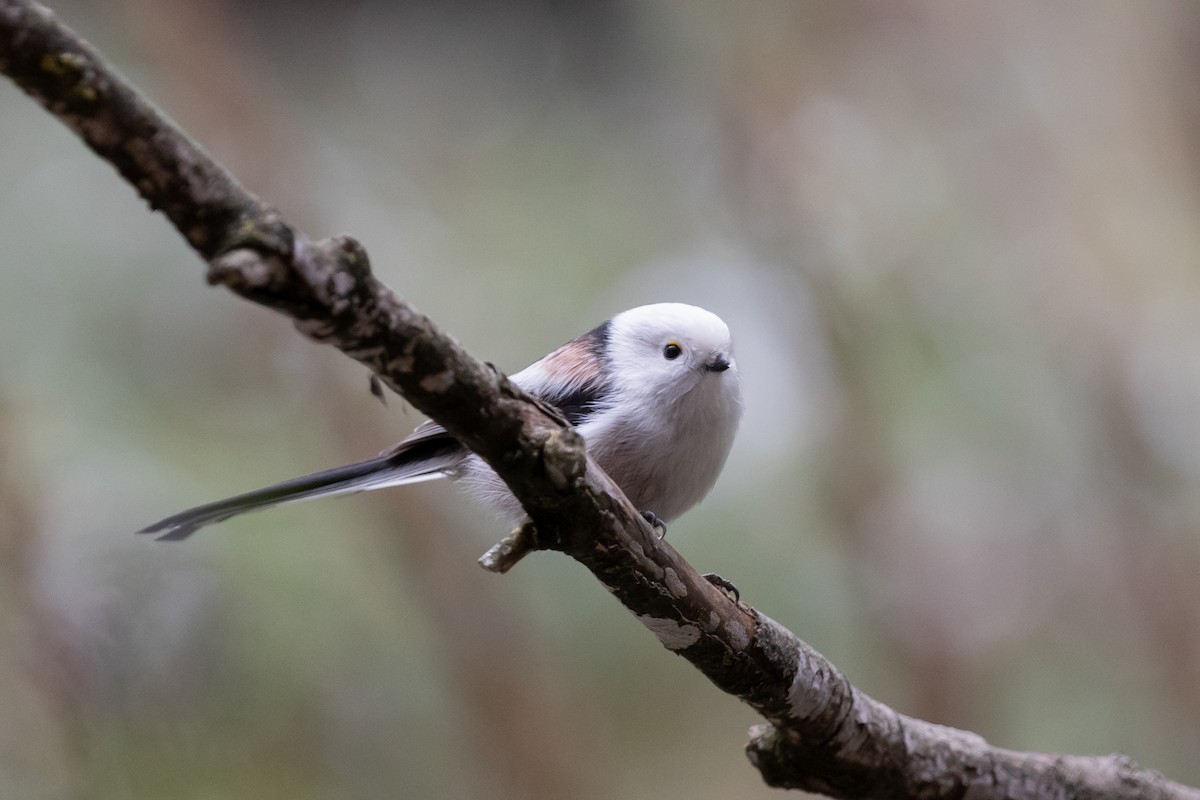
(374, 473)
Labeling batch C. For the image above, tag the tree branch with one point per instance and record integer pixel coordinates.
(823, 734)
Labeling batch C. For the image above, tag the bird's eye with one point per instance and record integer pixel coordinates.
(672, 350)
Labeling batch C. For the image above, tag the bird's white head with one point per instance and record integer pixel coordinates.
(664, 351)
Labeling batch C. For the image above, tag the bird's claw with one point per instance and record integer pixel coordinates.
(656, 523)
(725, 586)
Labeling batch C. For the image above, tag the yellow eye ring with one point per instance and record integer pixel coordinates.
(672, 350)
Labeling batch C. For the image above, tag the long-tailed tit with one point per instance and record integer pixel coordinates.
(653, 391)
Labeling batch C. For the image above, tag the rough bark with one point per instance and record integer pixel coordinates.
(822, 735)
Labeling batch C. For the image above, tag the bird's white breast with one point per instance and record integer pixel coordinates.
(667, 457)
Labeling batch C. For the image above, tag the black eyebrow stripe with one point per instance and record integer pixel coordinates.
(579, 404)
(598, 339)
(584, 362)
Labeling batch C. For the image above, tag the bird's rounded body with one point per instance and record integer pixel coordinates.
(654, 392)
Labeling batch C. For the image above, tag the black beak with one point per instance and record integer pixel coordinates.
(720, 363)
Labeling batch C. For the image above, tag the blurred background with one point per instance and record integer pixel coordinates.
(958, 248)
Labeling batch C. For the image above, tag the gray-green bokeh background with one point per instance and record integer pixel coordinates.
(958, 247)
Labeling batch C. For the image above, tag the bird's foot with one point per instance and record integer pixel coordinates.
(655, 523)
(725, 586)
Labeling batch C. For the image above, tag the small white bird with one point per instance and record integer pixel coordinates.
(654, 392)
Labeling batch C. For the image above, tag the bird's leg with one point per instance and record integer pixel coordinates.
(655, 523)
(724, 585)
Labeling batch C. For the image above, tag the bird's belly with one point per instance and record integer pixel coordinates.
(667, 478)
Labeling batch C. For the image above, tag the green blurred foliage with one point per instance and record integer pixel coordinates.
(957, 247)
